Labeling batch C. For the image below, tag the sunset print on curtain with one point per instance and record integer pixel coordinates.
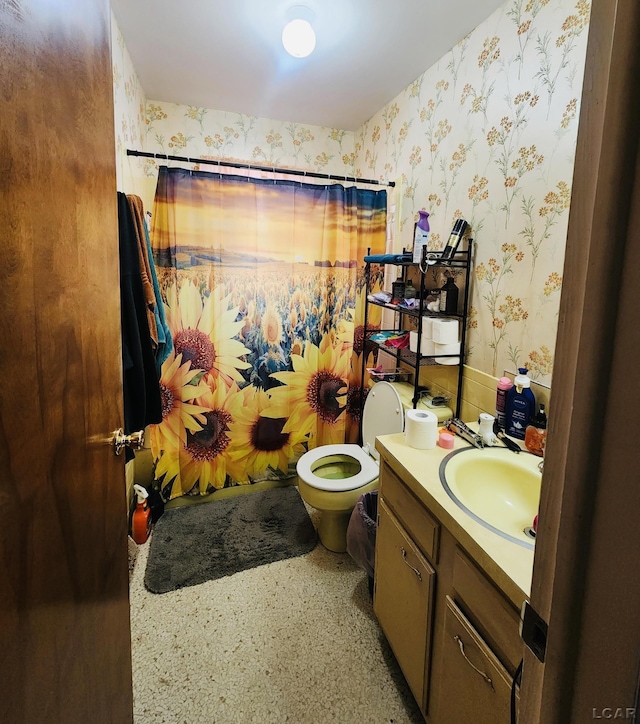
(263, 287)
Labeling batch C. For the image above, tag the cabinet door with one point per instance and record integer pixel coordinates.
(473, 684)
(403, 600)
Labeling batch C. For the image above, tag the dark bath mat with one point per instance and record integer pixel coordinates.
(202, 542)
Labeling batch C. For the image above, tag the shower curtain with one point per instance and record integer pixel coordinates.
(263, 287)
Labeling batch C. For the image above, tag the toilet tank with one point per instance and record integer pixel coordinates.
(383, 414)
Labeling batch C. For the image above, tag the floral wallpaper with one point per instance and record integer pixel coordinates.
(205, 133)
(488, 134)
(130, 112)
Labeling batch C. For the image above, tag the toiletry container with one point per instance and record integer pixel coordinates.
(449, 297)
(455, 237)
(485, 429)
(141, 521)
(536, 433)
(410, 291)
(420, 236)
(504, 385)
(521, 405)
(397, 290)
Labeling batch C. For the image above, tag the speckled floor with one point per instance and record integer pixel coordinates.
(293, 641)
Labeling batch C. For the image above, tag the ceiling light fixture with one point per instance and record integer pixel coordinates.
(298, 37)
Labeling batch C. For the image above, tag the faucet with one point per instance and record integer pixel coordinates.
(540, 465)
(464, 431)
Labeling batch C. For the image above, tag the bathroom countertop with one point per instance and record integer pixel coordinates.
(509, 565)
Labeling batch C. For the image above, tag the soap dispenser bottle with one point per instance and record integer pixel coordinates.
(141, 521)
(536, 433)
(521, 405)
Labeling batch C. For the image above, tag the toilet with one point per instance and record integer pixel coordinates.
(331, 478)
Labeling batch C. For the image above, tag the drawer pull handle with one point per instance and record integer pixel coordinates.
(471, 664)
(415, 570)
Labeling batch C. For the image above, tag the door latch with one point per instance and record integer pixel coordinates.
(135, 441)
(533, 630)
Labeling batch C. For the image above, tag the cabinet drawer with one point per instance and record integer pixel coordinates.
(489, 610)
(424, 529)
(473, 685)
(403, 601)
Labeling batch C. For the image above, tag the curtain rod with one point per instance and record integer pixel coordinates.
(270, 169)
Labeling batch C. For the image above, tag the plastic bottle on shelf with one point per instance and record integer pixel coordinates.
(449, 297)
(397, 290)
(420, 236)
(410, 291)
(454, 239)
(521, 405)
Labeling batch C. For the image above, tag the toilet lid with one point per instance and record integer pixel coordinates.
(383, 414)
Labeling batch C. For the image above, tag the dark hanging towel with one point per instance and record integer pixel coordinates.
(142, 403)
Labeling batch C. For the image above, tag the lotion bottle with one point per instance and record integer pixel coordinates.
(521, 405)
(504, 385)
(141, 521)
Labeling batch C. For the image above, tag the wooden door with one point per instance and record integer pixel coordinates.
(64, 610)
(585, 578)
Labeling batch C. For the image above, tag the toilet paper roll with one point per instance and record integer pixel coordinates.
(420, 429)
(445, 331)
(413, 341)
(453, 348)
(428, 347)
(427, 328)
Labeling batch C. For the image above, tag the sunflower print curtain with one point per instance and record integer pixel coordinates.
(263, 288)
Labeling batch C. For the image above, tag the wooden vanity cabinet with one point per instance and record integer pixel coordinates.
(403, 604)
(473, 686)
(453, 632)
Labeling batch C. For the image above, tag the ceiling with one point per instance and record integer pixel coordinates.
(227, 55)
